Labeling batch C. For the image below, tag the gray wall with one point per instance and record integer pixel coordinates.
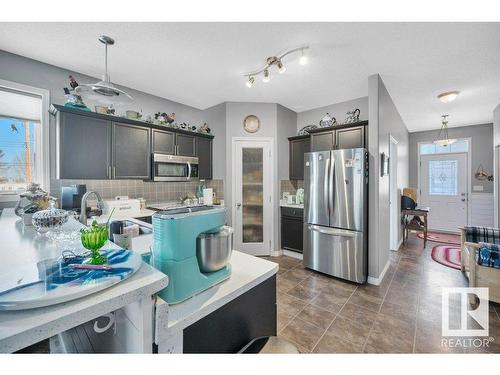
(384, 121)
(337, 110)
(286, 121)
(481, 151)
(216, 119)
(496, 142)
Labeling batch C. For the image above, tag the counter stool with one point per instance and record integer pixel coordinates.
(269, 345)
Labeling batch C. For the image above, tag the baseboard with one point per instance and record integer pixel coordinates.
(276, 253)
(378, 280)
(399, 244)
(292, 254)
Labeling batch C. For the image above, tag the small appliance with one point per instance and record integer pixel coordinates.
(335, 213)
(177, 235)
(124, 208)
(174, 168)
(71, 197)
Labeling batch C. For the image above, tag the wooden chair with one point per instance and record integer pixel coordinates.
(479, 276)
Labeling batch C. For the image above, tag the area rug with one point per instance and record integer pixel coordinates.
(447, 255)
(452, 239)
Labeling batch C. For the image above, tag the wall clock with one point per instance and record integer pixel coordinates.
(251, 124)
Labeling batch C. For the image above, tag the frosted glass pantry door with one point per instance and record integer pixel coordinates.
(443, 188)
(252, 191)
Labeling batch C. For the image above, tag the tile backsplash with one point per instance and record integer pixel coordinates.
(151, 191)
(290, 186)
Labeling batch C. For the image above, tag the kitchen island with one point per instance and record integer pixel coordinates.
(221, 319)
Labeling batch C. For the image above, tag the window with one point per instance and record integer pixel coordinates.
(17, 154)
(443, 177)
(23, 140)
(461, 145)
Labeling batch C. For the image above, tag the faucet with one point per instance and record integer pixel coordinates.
(83, 208)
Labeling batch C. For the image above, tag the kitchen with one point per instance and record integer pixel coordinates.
(120, 170)
(232, 223)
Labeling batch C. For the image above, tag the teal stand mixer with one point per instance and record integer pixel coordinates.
(174, 252)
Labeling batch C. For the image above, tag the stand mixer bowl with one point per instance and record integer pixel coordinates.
(213, 250)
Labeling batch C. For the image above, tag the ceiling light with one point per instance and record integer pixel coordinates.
(266, 77)
(281, 67)
(303, 59)
(449, 96)
(250, 82)
(275, 61)
(445, 140)
(104, 88)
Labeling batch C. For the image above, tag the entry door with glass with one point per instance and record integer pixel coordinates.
(252, 192)
(443, 188)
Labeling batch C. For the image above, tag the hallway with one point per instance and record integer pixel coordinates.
(402, 315)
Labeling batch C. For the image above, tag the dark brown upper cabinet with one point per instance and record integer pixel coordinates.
(185, 145)
(131, 152)
(350, 137)
(297, 148)
(205, 157)
(163, 142)
(83, 147)
(96, 146)
(323, 141)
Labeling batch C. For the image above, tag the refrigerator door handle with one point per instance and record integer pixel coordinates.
(331, 187)
(326, 186)
(332, 232)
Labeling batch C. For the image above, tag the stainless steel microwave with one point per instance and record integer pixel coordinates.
(174, 168)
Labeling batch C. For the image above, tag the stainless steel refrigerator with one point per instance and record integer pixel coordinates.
(335, 213)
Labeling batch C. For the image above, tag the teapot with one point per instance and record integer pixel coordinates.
(32, 200)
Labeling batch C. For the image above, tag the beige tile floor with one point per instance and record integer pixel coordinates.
(321, 314)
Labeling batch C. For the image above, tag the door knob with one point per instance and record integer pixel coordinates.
(238, 205)
(463, 199)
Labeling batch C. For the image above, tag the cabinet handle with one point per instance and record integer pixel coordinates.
(108, 172)
(114, 172)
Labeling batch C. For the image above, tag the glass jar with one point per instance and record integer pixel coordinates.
(49, 219)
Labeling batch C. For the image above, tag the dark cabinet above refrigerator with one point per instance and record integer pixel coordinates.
(324, 139)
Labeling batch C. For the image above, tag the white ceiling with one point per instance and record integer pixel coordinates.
(200, 64)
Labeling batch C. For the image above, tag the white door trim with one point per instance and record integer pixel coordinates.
(43, 134)
(469, 166)
(394, 218)
(270, 142)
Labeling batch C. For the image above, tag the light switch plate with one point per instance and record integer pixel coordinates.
(478, 188)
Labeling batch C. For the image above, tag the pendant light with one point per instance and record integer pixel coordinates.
(104, 91)
(443, 138)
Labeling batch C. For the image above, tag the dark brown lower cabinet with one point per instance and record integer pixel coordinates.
(292, 232)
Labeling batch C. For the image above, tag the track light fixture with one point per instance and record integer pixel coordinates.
(266, 77)
(303, 58)
(275, 61)
(250, 81)
(281, 67)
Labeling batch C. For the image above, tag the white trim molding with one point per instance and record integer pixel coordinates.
(378, 280)
(43, 178)
(292, 254)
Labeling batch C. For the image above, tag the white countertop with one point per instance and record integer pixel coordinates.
(247, 272)
(292, 205)
(19, 329)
